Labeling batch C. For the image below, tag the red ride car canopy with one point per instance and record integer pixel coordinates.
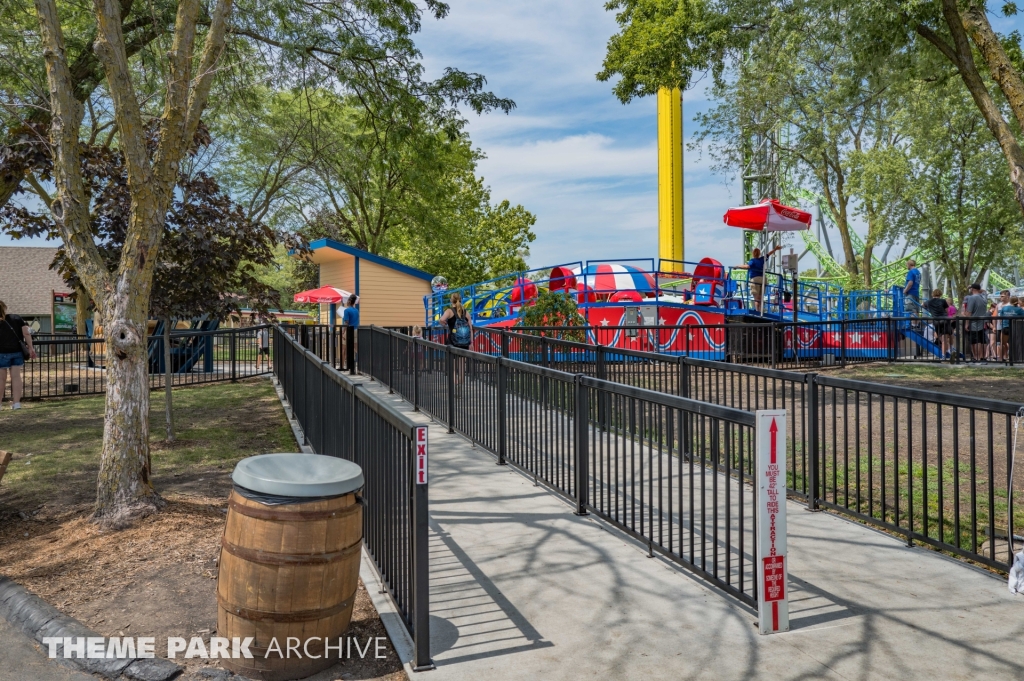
(768, 216)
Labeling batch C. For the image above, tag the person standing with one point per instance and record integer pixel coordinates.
(938, 308)
(350, 320)
(976, 307)
(350, 316)
(992, 331)
(755, 274)
(1008, 312)
(912, 290)
(460, 335)
(262, 345)
(13, 333)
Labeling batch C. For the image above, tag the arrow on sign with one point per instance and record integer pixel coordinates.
(774, 430)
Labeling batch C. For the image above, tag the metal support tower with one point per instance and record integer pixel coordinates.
(670, 177)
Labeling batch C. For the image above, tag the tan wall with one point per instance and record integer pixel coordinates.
(388, 297)
(342, 274)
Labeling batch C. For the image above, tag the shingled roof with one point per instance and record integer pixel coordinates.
(26, 281)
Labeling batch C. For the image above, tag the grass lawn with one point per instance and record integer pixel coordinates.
(56, 444)
(996, 382)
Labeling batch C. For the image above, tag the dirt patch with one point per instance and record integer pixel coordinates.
(156, 578)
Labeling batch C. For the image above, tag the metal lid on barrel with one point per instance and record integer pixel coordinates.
(298, 475)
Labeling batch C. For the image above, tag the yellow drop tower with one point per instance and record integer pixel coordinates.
(670, 179)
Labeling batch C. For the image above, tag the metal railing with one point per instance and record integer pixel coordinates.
(674, 473)
(341, 419)
(932, 467)
(333, 344)
(805, 344)
(77, 366)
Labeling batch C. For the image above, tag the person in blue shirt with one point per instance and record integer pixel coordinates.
(755, 274)
(912, 291)
(350, 317)
(1006, 313)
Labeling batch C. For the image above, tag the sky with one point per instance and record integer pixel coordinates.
(571, 153)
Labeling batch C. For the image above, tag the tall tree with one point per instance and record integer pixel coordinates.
(822, 105)
(945, 188)
(403, 185)
(669, 43)
(124, 489)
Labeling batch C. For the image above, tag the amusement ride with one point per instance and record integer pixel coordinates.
(674, 306)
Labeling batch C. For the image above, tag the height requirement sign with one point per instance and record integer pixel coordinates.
(772, 604)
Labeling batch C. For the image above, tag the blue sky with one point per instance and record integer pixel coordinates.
(583, 163)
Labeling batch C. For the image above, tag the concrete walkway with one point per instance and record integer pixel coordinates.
(22, 659)
(522, 588)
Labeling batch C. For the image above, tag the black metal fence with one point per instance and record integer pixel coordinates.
(340, 419)
(933, 467)
(672, 472)
(77, 366)
(797, 345)
(333, 344)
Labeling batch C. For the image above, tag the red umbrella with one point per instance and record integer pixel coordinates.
(324, 294)
(768, 216)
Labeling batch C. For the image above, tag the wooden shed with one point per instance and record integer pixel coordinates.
(390, 293)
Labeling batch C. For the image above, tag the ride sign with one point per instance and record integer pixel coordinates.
(421, 455)
(772, 604)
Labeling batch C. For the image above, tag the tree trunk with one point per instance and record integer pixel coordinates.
(81, 311)
(961, 55)
(168, 378)
(124, 489)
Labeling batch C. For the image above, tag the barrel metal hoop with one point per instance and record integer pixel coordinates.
(284, 617)
(270, 514)
(271, 558)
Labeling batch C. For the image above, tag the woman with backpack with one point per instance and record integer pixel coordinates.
(460, 326)
(15, 348)
(460, 335)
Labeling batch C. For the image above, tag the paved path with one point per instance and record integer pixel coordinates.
(522, 588)
(22, 660)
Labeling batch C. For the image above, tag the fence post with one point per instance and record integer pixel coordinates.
(842, 341)
(813, 449)
(602, 399)
(502, 409)
(582, 453)
(414, 348)
(421, 569)
(350, 350)
(684, 377)
(450, 371)
(233, 350)
(391, 362)
(504, 343)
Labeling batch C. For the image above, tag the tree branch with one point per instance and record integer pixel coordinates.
(71, 208)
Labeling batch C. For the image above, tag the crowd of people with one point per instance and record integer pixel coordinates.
(985, 330)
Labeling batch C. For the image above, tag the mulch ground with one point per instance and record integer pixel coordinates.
(157, 577)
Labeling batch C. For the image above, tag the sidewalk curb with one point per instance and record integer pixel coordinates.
(37, 619)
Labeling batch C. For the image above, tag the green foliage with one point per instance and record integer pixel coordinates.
(209, 254)
(315, 163)
(665, 43)
(554, 309)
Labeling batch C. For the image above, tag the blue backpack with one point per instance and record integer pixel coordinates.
(462, 334)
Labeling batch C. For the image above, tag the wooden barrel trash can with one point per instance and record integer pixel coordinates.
(289, 562)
